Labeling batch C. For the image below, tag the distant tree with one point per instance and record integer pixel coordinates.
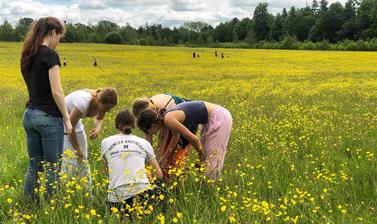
(315, 7)
(349, 12)
(200, 40)
(284, 13)
(207, 32)
(366, 19)
(94, 38)
(6, 31)
(277, 28)
(22, 27)
(328, 24)
(305, 20)
(349, 26)
(222, 33)
(83, 31)
(233, 35)
(299, 22)
(196, 27)
(209, 41)
(251, 38)
(242, 28)
(291, 22)
(129, 34)
(323, 6)
(114, 37)
(104, 27)
(262, 21)
(348, 31)
(71, 33)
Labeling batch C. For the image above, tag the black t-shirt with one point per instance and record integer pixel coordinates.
(38, 81)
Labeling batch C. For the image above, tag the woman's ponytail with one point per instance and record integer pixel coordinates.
(34, 38)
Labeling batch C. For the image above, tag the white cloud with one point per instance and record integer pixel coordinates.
(139, 12)
(189, 5)
(93, 4)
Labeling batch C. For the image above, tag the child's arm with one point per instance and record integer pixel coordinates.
(98, 123)
(156, 168)
(106, 167)
(104, 159)
(75, 117)
(162, 144)
(177, 126)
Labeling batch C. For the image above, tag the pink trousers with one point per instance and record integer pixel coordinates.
(214, 138)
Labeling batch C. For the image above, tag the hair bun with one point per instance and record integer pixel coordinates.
(127, 130)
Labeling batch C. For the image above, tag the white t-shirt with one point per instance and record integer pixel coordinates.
(126, 156)
(81, 100)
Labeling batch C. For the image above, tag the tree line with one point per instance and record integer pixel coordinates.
(352, 26)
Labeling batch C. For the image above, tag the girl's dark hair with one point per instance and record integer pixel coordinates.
(33, 41)
(148, 117)
(125, 121)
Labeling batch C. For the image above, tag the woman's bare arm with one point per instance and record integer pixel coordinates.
(177, 126)
(58, 95)
(75, 117)
(156, 168)
(106, 167)
(98, 124)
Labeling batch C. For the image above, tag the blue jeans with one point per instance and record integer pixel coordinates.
(45, 135)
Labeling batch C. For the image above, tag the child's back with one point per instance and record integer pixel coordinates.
(126, 156)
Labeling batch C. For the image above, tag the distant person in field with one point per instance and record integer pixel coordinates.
(169, 153)
(125, 156)
(184, 120)
(95, 63)
(193, 55)
(81, 104)
(65, 62)
(222, 54)
(198, 56)
(216, 53)
(46, 114)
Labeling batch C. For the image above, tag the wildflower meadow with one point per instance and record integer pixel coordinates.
(302, 148)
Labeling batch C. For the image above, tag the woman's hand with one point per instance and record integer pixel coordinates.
(68, 126)
(98, 123)
(80, 156)
(199, 148)
(94, 133)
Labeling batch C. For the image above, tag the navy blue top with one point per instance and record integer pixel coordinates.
(38, 81)
(195, 113)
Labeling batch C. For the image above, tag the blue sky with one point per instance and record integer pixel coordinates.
(139, 12)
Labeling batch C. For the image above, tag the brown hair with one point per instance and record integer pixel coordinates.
(139, 105)
(107, 96)
(33, 41)
(125, 121)
(148, 117)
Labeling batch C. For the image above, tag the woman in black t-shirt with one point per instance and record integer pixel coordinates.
(46, 112)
